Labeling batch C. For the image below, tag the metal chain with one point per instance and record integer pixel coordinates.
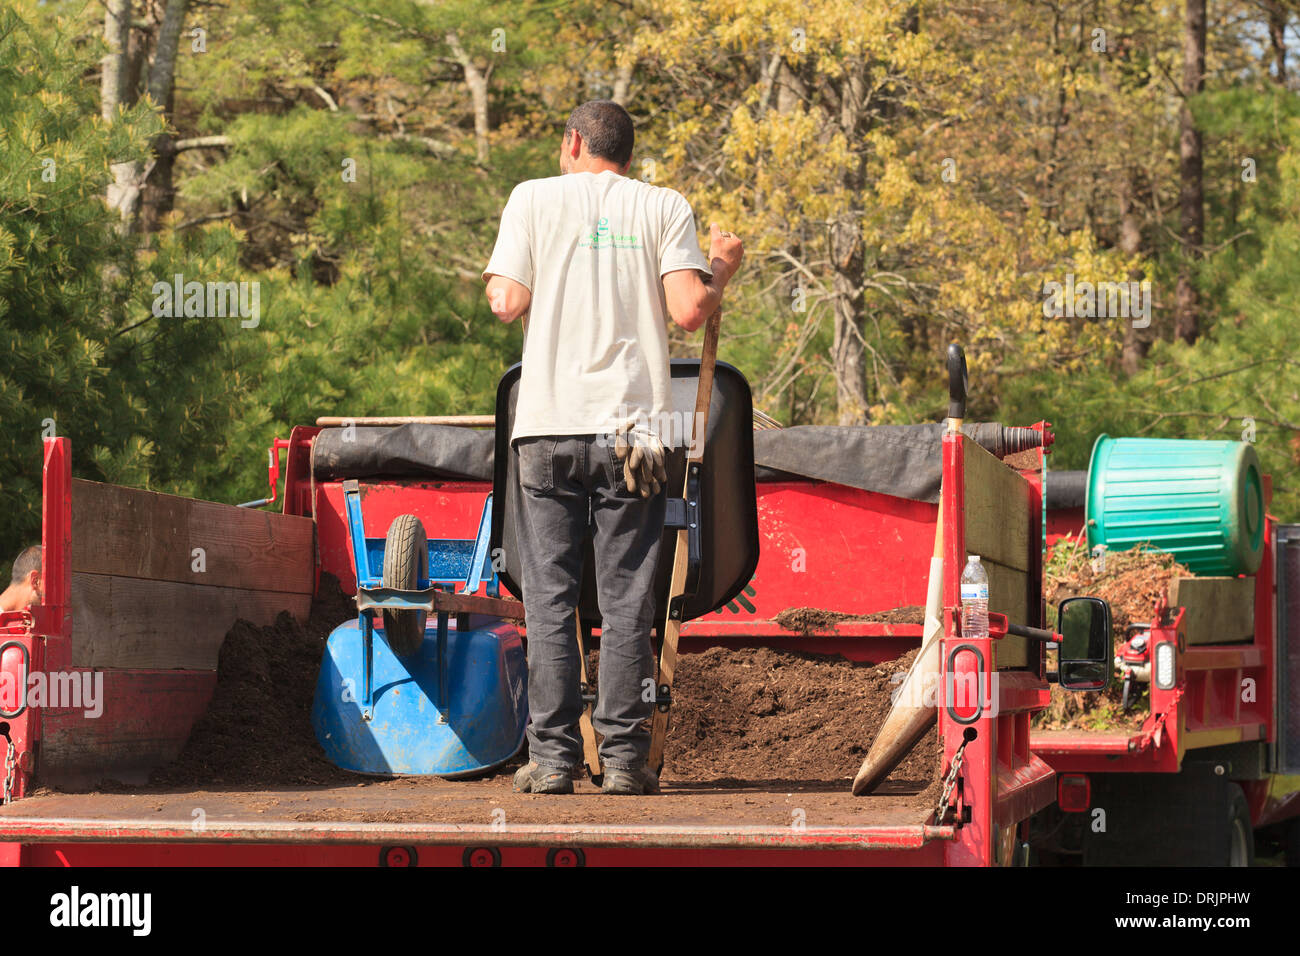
(950, 782)
(10, 766)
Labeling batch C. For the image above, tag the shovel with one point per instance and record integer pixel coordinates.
(912, 714)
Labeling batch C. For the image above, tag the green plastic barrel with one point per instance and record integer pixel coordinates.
(1201, 500)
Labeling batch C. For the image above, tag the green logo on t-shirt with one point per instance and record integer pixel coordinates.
(602, 237)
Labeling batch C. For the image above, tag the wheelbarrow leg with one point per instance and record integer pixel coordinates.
(444, 698)
(368, 638)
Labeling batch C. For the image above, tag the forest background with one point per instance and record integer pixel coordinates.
(904, 175)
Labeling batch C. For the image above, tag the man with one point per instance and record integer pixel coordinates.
(598, 262)
(25, 582)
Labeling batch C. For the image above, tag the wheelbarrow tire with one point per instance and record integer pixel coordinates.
(406, 562)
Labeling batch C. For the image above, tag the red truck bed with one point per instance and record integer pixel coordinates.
(455, 816)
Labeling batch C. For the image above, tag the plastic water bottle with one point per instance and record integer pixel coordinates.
(974, 599)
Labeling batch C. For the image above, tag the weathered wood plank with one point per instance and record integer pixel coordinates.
(142, 534)
(997, 510)
(1008, 595)
(133, 622)
(506, 608)
(1219, 610)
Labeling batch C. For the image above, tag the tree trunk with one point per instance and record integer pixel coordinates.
(159, 196)
(1191, 194)
(1137, 342)
(1277, 19)
(476, 81)
(114, 92)
(117, 36)
(848, 352)
(848, 349)
(623, 83)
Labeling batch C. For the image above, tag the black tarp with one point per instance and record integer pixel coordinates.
(403, 451)
(899, 460)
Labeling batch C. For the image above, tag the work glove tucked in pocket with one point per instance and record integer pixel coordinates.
(642, 455)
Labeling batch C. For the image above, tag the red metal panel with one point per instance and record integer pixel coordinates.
(975, 843)
(1066, 523)
(297, 497)
(861, 649)
(1002, 782)
(448, 509)
(25, 728)
(44, 631)
(265, 855)
(822, 545)
(38, 830)
(843, 549)
(146, 717)
(56, 538)
(1265, 674)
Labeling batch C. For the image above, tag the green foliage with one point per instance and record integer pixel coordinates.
(351, 191)
(63, 299)
(1240, 381)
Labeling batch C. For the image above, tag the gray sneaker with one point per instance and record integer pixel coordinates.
(634, 782)
(531, 778)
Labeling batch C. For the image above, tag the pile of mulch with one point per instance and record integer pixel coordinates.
(810, 620)
(740, 714)
(257, 730)
(1132, 582)
(759, 714)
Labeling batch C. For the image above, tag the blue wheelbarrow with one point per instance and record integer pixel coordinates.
(441, 688)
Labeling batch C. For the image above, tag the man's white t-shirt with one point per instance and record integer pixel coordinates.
(592, 249)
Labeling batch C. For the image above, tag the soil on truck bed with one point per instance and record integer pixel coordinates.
(257, 729)
(756, 734)
(757, 713)
(809, 620)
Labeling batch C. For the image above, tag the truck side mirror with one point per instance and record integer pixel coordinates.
(1086, 651)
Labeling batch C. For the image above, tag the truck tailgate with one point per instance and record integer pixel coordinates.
(430, 812)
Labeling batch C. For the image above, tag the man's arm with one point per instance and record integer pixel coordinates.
(509, 299)
(691, 296)
(509, 273)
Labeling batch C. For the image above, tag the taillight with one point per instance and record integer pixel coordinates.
(1074, 792)
(1165, 669)
(14, 664)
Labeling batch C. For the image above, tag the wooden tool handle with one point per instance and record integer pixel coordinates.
(462, 421)
(695, 455)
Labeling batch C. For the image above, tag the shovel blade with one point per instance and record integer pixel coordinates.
(914, 712)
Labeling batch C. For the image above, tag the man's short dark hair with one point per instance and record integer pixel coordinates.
(606, 128)
(26, 562)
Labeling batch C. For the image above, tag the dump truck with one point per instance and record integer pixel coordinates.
(141, 587)
(1209, 762)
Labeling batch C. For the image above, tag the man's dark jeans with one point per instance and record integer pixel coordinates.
(569, 482)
